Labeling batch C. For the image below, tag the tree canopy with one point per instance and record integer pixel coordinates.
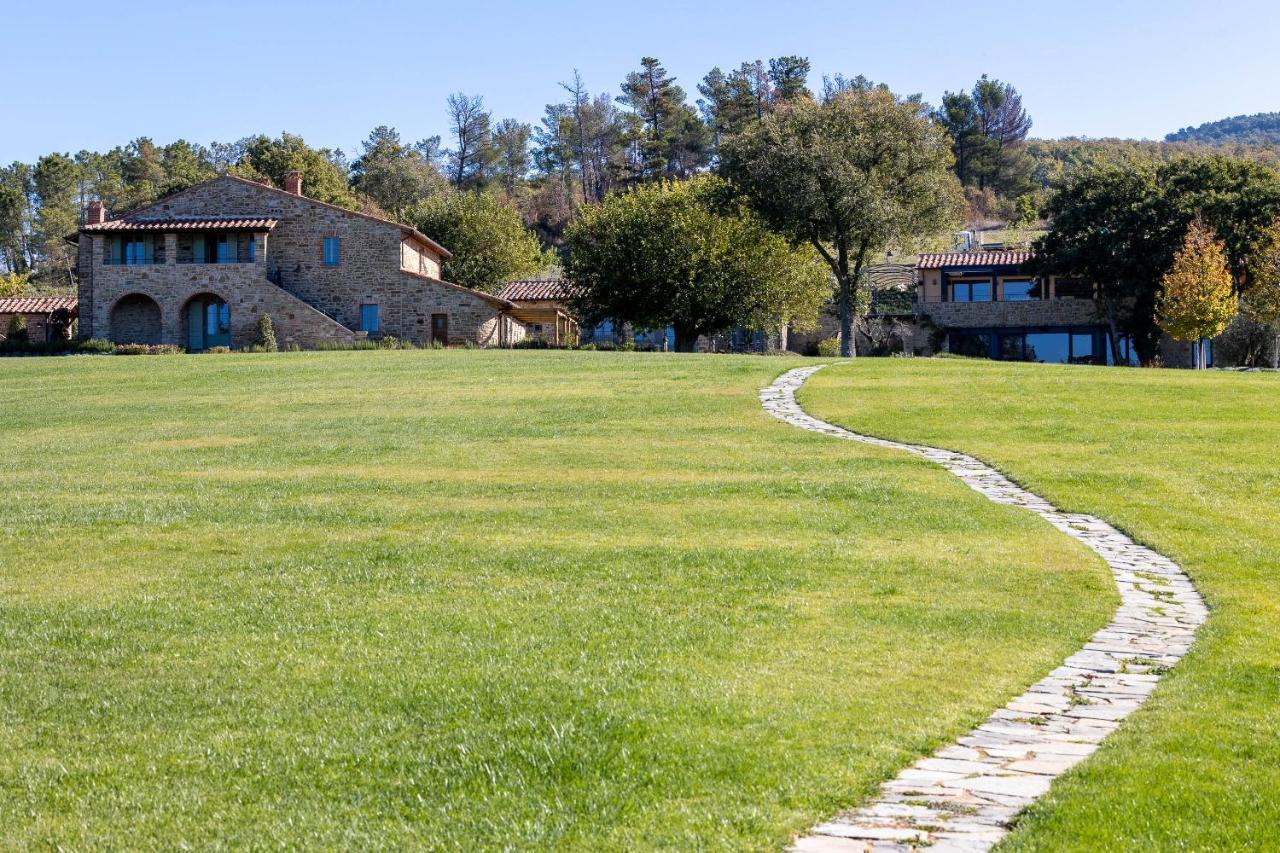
(1121, 227)
(851, 176)
(686, 255)
(1197, 299)
(489, 242)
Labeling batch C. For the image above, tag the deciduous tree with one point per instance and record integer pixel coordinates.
(850, 176)
(486, 235)
(1120, 226)
(1261, 302)
(685, 255)
(1198, 300)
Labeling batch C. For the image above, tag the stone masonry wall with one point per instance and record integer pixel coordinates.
(244, 287)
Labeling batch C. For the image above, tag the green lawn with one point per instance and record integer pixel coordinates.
(460, 599)
(1188, 463)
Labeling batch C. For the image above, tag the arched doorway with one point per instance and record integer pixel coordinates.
(135, 319)
(207, 319)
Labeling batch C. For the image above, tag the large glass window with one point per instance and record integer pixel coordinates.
(970, 344)
(226, 249)
(1082, 348)
(1020, 290)
(331, 251)
(1048, 347)
(370, 318)
(971, 291)
(1012, 346)
(1128, 355)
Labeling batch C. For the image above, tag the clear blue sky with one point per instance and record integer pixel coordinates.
(97, 74)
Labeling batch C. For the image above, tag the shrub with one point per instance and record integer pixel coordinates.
(531, 343)
(17, 331)
(147, 349)
(96, 346)
(266, 336)
(437, 345)
(829, 347)
(218, 350)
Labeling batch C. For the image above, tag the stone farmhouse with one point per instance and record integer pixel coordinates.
(199, 268)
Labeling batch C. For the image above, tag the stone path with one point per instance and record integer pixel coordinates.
(964, 797)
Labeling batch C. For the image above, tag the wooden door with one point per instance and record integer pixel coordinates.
(440, 329)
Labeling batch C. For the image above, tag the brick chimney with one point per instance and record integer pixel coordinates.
(293, 182)
(97, 213)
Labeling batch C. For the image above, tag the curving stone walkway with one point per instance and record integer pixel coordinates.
(964, 797)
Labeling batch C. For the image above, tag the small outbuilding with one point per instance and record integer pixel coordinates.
(47, 318)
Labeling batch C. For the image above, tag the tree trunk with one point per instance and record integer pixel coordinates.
(1275, 353)
(1113, 334)
(847, 345)
(686, 338)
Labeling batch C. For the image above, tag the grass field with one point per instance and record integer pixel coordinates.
(484, 599)
(1188, 463)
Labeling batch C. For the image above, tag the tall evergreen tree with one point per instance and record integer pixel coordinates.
(472, 155)
(396, 176)
(988, 127)
(55, 180)
(511, 153)
(790, 77)
(671, 142)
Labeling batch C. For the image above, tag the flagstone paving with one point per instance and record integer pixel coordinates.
(965, 796)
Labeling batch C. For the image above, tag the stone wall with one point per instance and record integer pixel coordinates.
(985, 315)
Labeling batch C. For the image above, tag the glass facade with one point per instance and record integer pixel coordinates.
(1051, 346)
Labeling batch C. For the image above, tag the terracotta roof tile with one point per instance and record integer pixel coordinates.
(973, 259)
(187, 223)
(36, 304)
(538, 290)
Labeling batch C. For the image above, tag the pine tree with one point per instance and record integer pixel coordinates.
(1198, 300)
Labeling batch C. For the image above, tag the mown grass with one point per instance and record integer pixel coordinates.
(482, 600)
(1187, 463)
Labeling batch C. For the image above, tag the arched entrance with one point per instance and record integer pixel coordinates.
(135, 319)
(207, 322)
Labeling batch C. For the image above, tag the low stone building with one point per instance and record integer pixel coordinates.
(47, 317)
(199, 267)
(543, 306)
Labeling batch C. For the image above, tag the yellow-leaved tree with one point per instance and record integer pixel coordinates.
(1261, 302)
(1199, 296)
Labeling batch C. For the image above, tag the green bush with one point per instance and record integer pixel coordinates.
(266, 335)
(98, 346)
(829, 347)
(17, 331)
(218, 350)
(148, 349)
(532, 343)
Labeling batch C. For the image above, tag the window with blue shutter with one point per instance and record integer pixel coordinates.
(331, 251)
